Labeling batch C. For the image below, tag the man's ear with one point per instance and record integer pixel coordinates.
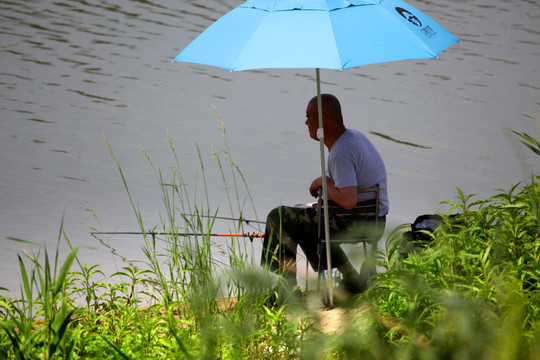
(324, 119)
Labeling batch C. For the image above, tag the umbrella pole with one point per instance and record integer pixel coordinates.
(320, 135)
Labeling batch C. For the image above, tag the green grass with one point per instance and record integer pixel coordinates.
(471, 292)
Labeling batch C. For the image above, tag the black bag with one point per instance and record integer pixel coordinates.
(408, 238)
(422, 223)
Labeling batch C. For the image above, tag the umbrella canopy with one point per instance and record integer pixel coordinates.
(330, 34)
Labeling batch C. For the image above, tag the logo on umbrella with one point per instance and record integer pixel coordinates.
(409, 16)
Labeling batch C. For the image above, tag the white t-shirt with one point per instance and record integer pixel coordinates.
(354, 161)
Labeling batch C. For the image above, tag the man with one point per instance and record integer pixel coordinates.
(353, 162)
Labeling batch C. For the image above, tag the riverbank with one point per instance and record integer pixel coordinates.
(470, 289)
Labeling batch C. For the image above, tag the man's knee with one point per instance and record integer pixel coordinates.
(274, 219)
(275, 212)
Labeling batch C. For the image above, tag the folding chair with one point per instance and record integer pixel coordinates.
(366, 211)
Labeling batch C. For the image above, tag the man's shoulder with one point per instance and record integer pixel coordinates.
(352, 136)
(354, 132)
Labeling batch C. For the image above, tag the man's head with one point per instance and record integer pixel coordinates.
(331, 115)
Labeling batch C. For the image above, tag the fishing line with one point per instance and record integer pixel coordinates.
(124, 259)
(250, 235)
(154, 234)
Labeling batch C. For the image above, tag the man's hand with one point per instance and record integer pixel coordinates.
(315, 186)
(344, 197)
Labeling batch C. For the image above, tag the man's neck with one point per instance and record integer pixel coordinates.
(331, 138)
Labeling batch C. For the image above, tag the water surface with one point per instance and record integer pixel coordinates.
(73, 72)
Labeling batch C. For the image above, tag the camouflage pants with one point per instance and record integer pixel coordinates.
(288, 227)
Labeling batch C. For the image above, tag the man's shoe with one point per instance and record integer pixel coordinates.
(352, 283)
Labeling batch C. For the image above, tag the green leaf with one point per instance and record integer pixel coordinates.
(529, 142)
(26, 283)
(117, 349)
(22, 241)
(65, 270)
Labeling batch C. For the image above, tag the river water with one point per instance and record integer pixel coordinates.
(73, 72)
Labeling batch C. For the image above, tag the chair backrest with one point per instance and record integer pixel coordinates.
(367, 207)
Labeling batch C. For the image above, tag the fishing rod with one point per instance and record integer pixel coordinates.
(250, 235)
(247, 221)
(155, 234)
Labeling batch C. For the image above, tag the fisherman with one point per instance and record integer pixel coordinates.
(353, 162)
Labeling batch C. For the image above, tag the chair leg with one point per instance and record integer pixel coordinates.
(307, 274)
(368, 269)
(320, 274)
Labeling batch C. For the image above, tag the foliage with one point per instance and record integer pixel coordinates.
(470, 292)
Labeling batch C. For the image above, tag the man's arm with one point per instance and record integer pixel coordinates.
(344, 197)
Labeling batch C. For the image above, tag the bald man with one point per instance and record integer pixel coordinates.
(353, 162)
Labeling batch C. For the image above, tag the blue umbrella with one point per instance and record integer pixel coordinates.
(330, 34)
